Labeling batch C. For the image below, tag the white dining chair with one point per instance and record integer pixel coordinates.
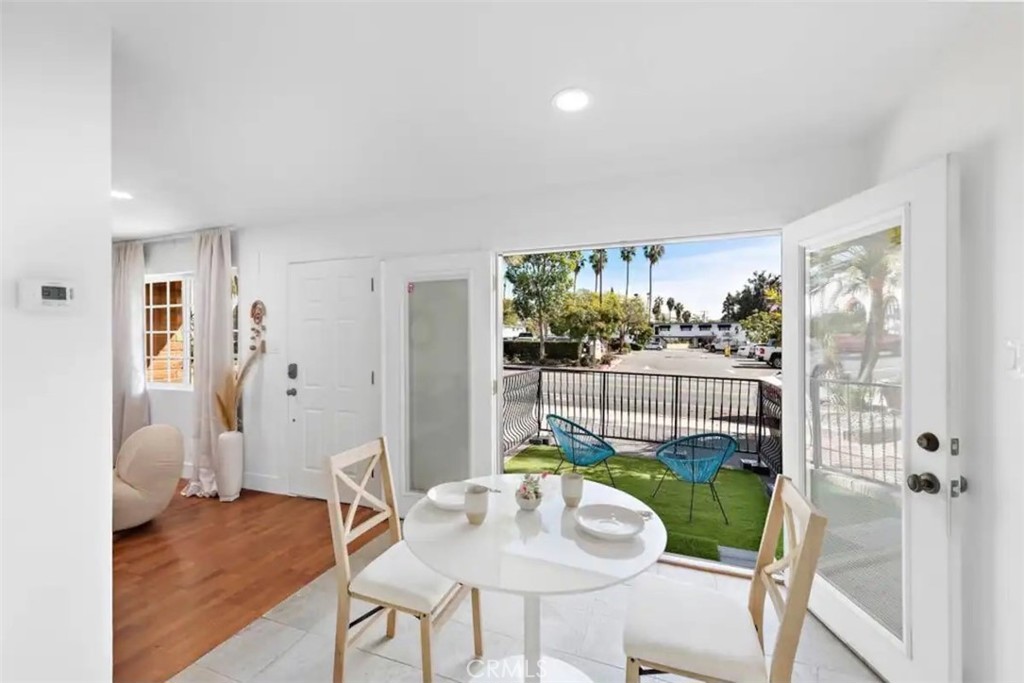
(707, 635)
(395, 581)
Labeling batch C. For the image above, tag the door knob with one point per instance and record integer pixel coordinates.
(926, 482)
(292, 392)
(928, 441)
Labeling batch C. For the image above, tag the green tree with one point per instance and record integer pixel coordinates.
(764, 326)
(752, 297)
(653, 254)
(540, 283)
(598, 260)
(627, 254)
(636, 322)
(670, 306)
(583, 315)
(509, 316)
(678, 310)
(656, 308)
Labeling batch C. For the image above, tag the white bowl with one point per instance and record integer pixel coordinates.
(609, 522)
(448, 496)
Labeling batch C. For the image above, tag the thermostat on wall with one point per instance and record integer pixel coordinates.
(45, 295)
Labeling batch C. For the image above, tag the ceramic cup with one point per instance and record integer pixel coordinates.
(476, 503)
(572, 488)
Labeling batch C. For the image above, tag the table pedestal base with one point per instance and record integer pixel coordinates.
(511, 670)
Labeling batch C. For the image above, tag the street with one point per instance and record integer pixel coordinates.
(682, 360)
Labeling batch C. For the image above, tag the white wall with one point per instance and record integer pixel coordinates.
(751, 196)
(972, 105)
(173, 406)
(55, 370)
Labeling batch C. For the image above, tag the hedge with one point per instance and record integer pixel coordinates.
(529, 350)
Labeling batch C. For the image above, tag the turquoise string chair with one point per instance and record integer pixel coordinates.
(696, 459)
(579, 446)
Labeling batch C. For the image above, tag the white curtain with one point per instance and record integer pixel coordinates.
(131, 404)
(212, 343)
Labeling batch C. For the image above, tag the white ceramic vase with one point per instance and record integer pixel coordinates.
(229, 465)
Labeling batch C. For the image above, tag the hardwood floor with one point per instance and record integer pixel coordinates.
(203, 570)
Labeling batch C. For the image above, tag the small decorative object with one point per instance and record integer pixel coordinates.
(572, 488)
(257, 312)
(528, 494)
(230, 454)
(476, 503)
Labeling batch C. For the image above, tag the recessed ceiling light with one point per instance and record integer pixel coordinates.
(571, 100)
(118, 194)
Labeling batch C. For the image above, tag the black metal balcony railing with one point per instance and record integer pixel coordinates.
(632, 406)
(519, 412)
(855, 428)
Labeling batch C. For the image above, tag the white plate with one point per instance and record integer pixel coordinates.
(610, 522)
(449, 496)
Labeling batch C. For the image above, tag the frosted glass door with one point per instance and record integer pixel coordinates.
(439, 411)
(440, 364)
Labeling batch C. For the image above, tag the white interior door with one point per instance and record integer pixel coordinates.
(870, 360)
(334, 353)
(440, 370)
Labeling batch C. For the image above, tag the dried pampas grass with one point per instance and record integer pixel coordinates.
(230, 393)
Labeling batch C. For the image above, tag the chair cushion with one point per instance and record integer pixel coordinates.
(692, 629)
(397, 578)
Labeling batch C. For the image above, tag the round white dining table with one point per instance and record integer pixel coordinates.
(532, 554)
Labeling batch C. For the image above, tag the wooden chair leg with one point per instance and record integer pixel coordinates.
(478, 633)
(632, 670)
(341, 636)
(425, 628)
(392, 619)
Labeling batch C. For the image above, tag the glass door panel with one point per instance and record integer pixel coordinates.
(854, 406)
(439, 410)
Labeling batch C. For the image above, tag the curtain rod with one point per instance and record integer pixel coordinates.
(168, 237)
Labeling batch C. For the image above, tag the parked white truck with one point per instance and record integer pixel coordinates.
(770, 353)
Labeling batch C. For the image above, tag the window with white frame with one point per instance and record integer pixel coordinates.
(168, 339)
(170, 327)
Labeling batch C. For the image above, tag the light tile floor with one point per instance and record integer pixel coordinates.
(294, 641)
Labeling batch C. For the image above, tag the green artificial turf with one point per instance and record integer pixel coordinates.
(742, 495)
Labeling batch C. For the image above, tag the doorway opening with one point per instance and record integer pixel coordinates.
(654, 368)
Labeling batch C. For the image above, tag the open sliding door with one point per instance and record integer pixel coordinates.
(870, 416)
(439, 363)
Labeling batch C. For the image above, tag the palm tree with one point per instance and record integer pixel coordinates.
(653, 254)
(627, 254)
(576, 261)
(658, 303)
(598, 260)
(868, 266)
(679, 308)
(670, 304)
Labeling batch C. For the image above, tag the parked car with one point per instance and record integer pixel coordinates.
(770, 353)
(656, 344)
(746, 351)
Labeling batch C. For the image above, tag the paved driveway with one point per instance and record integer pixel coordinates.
(686, 361)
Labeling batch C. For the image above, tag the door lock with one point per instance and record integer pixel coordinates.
(292, 392)
(925, 482)
(928, 442)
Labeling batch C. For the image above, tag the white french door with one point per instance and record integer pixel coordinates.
(333, 366)
(870, 416)
(439, 362)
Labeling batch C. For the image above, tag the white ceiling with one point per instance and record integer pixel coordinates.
(258, 114)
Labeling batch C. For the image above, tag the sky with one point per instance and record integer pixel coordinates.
(699, 274)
